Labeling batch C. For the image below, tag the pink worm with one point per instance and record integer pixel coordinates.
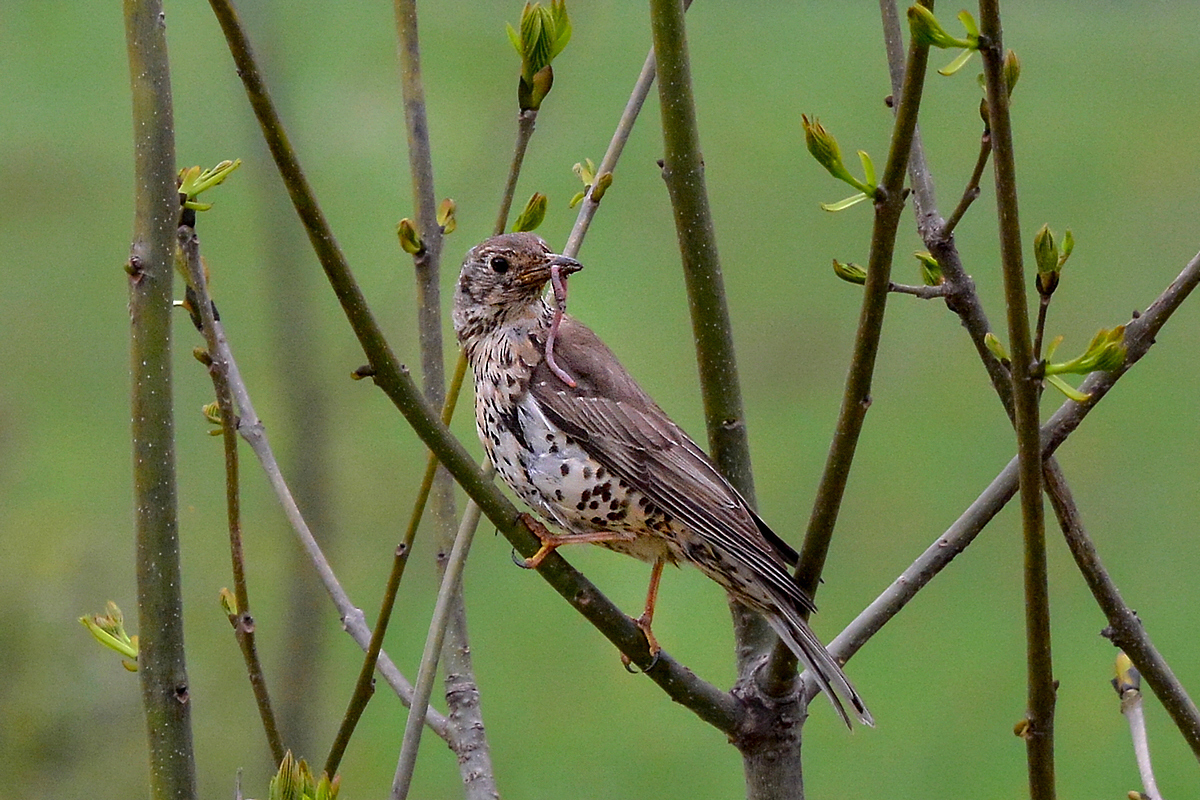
(559, 283)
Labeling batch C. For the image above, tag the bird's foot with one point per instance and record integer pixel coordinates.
(549, 541)
(643, 623)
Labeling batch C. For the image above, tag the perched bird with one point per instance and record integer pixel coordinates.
(578, 440)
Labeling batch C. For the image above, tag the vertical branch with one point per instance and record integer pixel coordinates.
(242, 620)
(889, 204)
(683, 172)
(1039, 737)
(462, 695)
(161, 663)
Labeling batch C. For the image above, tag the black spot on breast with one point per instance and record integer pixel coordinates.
(565, 469)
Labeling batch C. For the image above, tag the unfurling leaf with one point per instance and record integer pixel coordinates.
(850, 272)
(533, 213)
(410, 240)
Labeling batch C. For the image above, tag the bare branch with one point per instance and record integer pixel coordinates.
(448, 597)
(1125, 628)
(252, 430)
(1039, 736)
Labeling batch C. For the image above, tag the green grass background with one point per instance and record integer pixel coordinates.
(1106, 116)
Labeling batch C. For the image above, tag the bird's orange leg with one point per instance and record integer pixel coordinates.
(551, 542)
(647, 617)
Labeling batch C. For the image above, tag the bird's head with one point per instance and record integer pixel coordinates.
(503, 278)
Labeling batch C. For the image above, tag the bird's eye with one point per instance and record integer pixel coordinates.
(499, 264)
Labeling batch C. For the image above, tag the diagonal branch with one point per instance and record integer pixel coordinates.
(1125, 629)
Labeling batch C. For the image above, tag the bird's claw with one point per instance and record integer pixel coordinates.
(632, 669)
(651, 643)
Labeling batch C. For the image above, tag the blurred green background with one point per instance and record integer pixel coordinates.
(1106, 117)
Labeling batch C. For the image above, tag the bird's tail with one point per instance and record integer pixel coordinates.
(800, 639)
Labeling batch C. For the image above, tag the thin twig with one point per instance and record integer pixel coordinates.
(1039, 736)
(856, 399)
(1133, 709)
(1039, 329)
(162, 667)
(474, 759)
(589, 206)
(365, 686)
(526, 119)
(923, 292)
(427, 671)
(242, 621)
(971, 192)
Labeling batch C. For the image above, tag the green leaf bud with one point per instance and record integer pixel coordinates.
(586, 171)
(109, 630)
(410, 240)
(824, 148)
(849, 272)
(446, 215)
(1012, 71)
(994, 346)
(1105, 353)
(228, 602)
(927, 30)
(544, 33)
(602, 183)
(533, 213)
(193, 181)
(1126, 677)
(931, 270)
(1068, 244)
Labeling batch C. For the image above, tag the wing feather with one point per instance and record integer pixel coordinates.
(618, 424)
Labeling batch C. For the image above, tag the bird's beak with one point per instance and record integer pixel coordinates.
(566, 265)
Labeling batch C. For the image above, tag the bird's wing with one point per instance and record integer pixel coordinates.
(618, 424)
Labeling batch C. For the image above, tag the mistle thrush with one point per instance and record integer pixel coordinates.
(577, 439)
